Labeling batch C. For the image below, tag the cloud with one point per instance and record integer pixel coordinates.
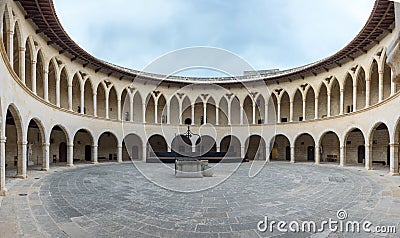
(268, 34)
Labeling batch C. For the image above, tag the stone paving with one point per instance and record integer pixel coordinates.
(115, 200)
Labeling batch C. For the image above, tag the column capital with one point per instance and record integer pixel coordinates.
(3, 139)
(46, 144)
(95, 146)
(21, 48)
(70, 145)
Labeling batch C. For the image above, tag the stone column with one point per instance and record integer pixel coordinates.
(367, 92)
(46, 157)
(204, 113)
(278, 120)
(33, 75)
(192, 107)
(95, 104)
(144, 154)
(216, 115)
(180, 113)
(46, 84)
(392, 88)
(254, 113)
(169, 113)
(58, 88)
(119, 110)
(368, 157)
(317, 155)
(3, 189)
(341, 101)
(242, 151)
(70, 155)
(82, 100)
(292, 155)
(316, 115)
(107, 107)
(144, 112)
(131, 108)
(304, 109)
(381, 73)
(70, 97)
(354, 97)
(229, 114)
(95, 148)
(328, 110)
(156, 112)
(22, 64)
(291, 111)
(22, 162)
(342, 156)
(394, 159)
(241, 115)
(119, 155)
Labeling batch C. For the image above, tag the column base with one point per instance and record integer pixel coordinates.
(292, 162)
(393, 174)
(45, 169)
(3, 192)
(317, 163)
(70, 165)
(21, 176)
(94, 162)
(369, 168)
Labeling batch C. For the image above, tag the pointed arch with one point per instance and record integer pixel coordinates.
(223, 111)
(186, 109)
(64, 83)
(361, 88)
(40, 74)
(248, 110)
(29, 54)
(335, 97)
(348, 94)
(323, 101)
(174, 110)
(285, 106)
(211, 116)
(137, 107)
(101, 100)
(17, 44)
(374, 83)
(162, 109)
(298, 106)
(52, 84)
(113, 103)
(310, 104)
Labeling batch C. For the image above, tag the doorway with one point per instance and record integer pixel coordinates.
(361, 154)
(63, 152)
(88, 153)
(288, 153)
(310, 153)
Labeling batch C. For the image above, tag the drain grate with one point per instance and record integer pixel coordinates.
(37, 178)
(337, 179)
(22, 194)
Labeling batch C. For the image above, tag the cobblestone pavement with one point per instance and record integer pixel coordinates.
(115, 200)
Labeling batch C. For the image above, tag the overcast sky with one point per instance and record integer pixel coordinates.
(266, 33)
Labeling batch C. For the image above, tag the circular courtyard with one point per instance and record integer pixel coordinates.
(116, 200)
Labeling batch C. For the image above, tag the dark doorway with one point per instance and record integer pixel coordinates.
(63, 152)
(88, 153)
(310, 153)
(361, 154)
(288, 153)
(388, 155)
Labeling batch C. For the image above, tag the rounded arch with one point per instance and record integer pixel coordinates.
(181, 144)
(354, 145)
(329, 147)
(156, 144)
(231, 145)
(14, 114)
(280, 148)
(83, 145)
(205, 144)
(108, 146)
(304, 148)
(255, 148)
(133, 147)
(59, 141)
